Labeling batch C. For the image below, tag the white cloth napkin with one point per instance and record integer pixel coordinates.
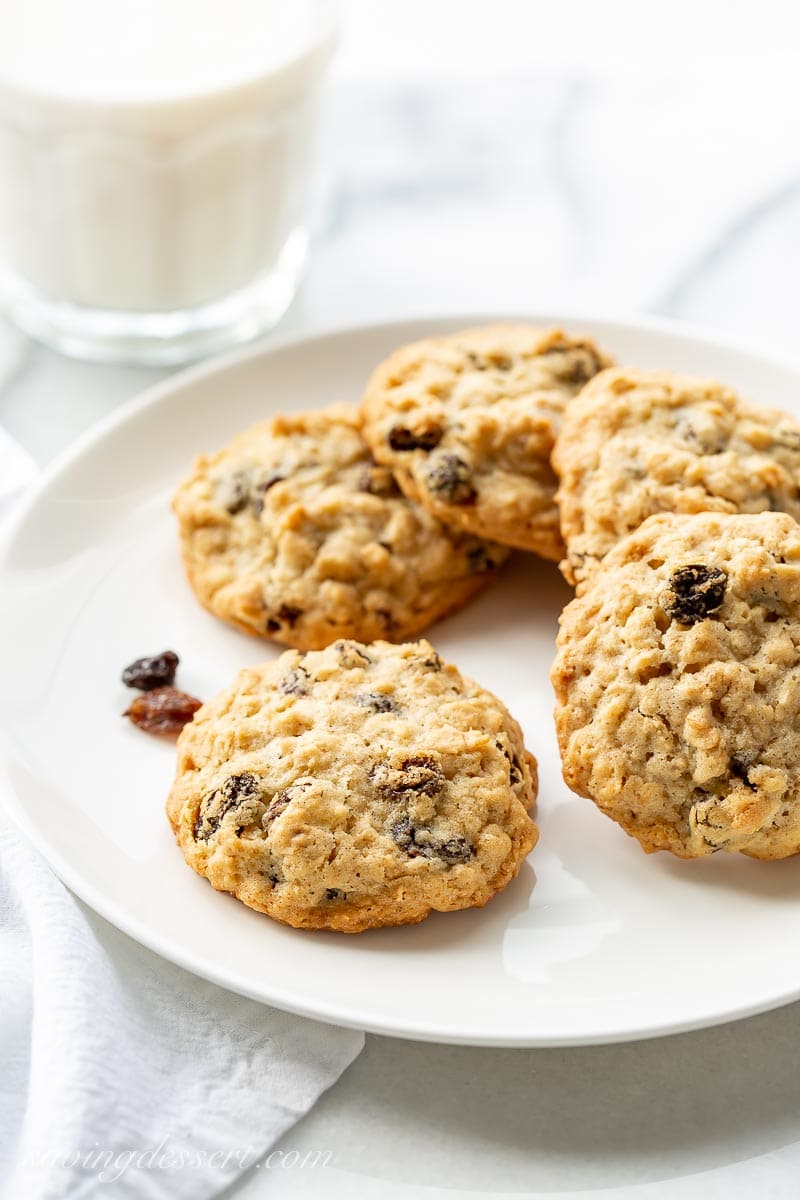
(121, 1074)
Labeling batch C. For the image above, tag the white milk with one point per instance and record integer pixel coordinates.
(154, 163)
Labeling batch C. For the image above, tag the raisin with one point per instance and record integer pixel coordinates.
(434, 661)
(479, 559)
(710, 440)
(573, 364)
(498, 360)
(515, 773)
(480, 364)
(351, 656)
(148, 673)
(455, 850)
(740, 767)
(378, 481)
(451, 480)
(788, 438)
(334, 894)
(419, 842)
(403, 833)
(286, 615)
(386, 619)
(236, 786)
(694, 592)
(164, 710)
(295, 683)
(419, 775)
(276, 806)
(273, 874)
(237, 792)
(233, 492)
(422, 775)
(401, 438)
(376, 702)
(262, 487)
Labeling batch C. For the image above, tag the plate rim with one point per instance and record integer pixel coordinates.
(327, 1011)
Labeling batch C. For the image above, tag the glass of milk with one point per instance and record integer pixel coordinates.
(155, 164)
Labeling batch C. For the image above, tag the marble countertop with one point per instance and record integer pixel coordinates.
(511, 193)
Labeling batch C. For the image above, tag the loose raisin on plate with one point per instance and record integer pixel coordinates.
(694, 592)
(163, 710)
(148, 673)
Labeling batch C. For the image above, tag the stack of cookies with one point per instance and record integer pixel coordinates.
(373, 523)
(358, 780)
(677, 677)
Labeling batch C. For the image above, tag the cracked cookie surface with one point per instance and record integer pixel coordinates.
(636, 443)
(294, 533)
(353, 787)
(467, 423)
(677, 685)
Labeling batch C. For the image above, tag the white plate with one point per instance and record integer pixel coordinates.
(593, 942)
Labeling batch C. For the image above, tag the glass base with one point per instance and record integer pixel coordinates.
(158, 339)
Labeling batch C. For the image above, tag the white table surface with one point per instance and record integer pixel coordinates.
(534, 190)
